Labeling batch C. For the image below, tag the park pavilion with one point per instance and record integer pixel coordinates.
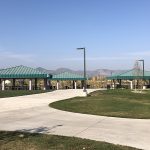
(26, 78)
(130, 76)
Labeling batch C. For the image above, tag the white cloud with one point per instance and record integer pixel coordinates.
(110, 58)
(139, 54)
(114, 57)
(9, 59)
(100, 58)
(5, 55)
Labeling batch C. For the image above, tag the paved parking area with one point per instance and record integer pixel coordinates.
(32, 114)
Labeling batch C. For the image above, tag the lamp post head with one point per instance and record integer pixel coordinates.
(141, 60)
(81, 48)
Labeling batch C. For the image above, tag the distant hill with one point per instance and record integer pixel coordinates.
(103, 72)
(45, 70)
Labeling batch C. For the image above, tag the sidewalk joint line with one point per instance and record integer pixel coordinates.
(90, 127)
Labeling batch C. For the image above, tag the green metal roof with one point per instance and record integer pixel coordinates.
(131, 75)
(67, 76)
(22, 72)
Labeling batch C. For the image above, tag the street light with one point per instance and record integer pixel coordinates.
(142, 60)
(83, 48)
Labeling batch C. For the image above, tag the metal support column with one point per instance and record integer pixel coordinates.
(30, 84)
(45, 84)
(35, 83)
(3, 84)
(57, 85)
(75, 84)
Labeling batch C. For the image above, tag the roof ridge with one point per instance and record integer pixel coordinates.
(126, 72)
(11, 67)
(42, 72)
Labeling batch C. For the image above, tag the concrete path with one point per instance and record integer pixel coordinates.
(31, 113)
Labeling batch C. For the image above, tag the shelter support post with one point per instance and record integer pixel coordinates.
(30, 84)
(75, 84)
(13, 84)
(120, 82)
(45, 84)
(113, 84)
(57, 86)
(35, 83)
(131, 85)
(3, 84)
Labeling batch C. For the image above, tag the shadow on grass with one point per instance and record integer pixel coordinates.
(41, 129)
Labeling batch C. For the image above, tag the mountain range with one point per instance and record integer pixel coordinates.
(102, 72)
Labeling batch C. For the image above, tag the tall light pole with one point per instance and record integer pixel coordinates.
(83, 48)
(142, 60)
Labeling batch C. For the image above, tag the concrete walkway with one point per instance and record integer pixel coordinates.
(31, 113)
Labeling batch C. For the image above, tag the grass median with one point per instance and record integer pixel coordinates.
(34, 141)
(13, 93)
(114, 103)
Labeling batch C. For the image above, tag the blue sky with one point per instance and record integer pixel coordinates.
(46, 33)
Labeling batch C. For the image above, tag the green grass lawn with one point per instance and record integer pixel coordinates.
(28, 141)
(115, 103)
(13, 93)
